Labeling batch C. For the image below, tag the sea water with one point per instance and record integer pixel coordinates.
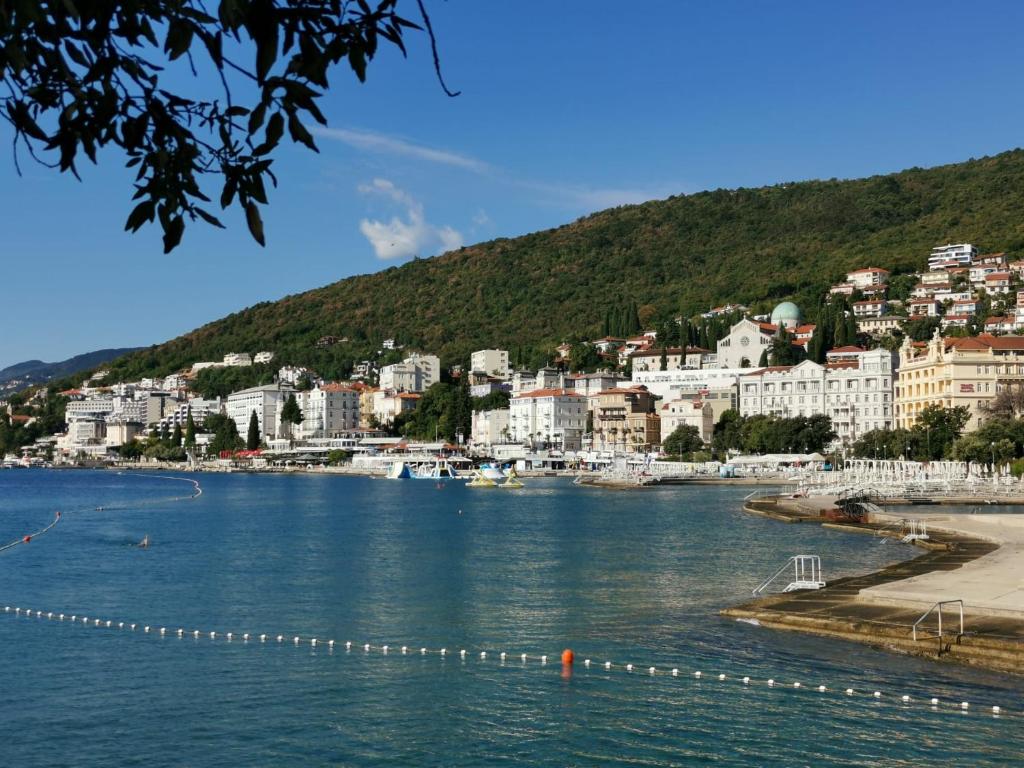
(623, 576)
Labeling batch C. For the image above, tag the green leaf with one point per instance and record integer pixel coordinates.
(252, 218)
(299, 133)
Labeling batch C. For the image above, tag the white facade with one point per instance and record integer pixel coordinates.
(263, 357)
(414, 374)
(327, 411)
(493, 362)
(94, 408)
(743, 346)
(545, 378)
(548, 417)
(961, 254)
(868, 278)
(237, 359)
(668, 385)
(857, 397)
(688, 412)
(265, 400)
(292, 374)
(491, 427)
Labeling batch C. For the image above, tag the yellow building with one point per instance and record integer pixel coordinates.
(956, 371)
(625, 420)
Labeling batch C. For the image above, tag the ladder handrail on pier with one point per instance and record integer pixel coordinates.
(938, 608)
(806, 574)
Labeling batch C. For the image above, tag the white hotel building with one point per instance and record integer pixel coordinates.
(856, 392)
(548, 417)
(266, 401)
(327, 411)
(414, 374)
(493, 362)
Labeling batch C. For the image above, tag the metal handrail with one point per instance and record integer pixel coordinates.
(807, 574)
(928, 613)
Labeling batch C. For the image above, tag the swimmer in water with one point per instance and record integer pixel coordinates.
(144, 544)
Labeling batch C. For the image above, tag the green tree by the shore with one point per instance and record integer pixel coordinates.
(252, 439)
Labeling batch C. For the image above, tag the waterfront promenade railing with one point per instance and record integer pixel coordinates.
(937, 608)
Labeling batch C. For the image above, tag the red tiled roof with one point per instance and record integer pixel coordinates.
(998, 276)
(868, 269)
(769, 369)
(869, 301)
(847, 348)
(550, 392)
(833, 365)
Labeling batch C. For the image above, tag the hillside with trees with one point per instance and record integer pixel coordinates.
(617, 269)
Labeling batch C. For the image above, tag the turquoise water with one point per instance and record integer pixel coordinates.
(624, 576)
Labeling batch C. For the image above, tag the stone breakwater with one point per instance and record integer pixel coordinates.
(973, 558)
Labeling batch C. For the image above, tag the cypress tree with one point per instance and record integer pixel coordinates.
(176, 437)
(190, 431)
(252, 440)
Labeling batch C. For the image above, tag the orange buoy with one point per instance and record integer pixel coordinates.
(27, 539)
(568, 656)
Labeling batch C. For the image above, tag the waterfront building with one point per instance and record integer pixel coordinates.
(683, 383)
(388, 404)
(493, 362)
(490, 428)
(265, 400)
(590, 384)
(694, 412)
(942, 256)
(855, 391)
(626, 419)
(329, 410)
(950, 372)
(553, 417)
(415, 373)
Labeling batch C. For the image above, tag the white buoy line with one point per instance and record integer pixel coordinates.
(505, 659)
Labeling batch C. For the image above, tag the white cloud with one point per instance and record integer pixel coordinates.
(400, 238)
(378, 142)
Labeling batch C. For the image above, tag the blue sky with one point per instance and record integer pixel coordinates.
(566, 107)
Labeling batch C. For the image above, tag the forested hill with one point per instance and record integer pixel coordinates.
(680, 255)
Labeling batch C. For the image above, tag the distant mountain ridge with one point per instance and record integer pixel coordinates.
(669, 257)
(16, 377)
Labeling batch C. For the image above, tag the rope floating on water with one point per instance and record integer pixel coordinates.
(29, 536)
(466, 657)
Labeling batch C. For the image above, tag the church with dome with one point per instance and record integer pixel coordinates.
(788, 315)
(748, 338)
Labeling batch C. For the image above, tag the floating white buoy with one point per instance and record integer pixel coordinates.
(523, 658)
(16, 610)
(822, 688)
(180, 632)
(280, 638)
(366, 647)
(348, 645)
(60, 616)
(905, 699)
(721, 677)
(85, 619)
(483, 654)
(146, 628)
(263, 638)
(849, 691)
(163, 631)
(385, 649)
(132, 627)
(543, 659)
(313, 642)
(330, 644)
(675, 672)
(462, 653)
(295, 639)
(404, 650)
(229, 636)
(935, 702)
(98, 622)
(49, 614)
(964, 705)
(746, 681)
(651, 670)
(444, 651)
(586, 662)
(796, 685)
(996, 710)
(423, 651)
(502, 656)
(607, 665)
(878, 694)
(120, 625)
(195, 634)
(629, 667)
(245, 637)
(697, 673)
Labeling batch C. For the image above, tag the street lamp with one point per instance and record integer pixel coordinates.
(993, 445)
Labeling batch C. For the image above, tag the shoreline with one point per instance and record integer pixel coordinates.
(974, 560)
